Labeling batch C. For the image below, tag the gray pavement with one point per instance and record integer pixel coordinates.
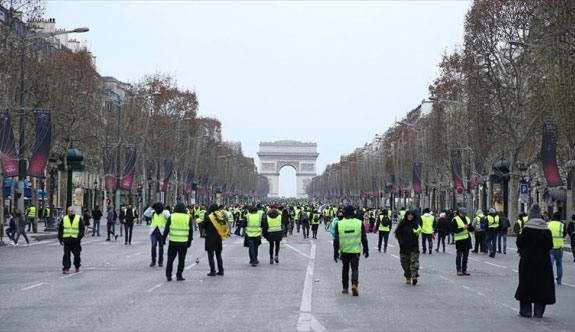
(118, 291)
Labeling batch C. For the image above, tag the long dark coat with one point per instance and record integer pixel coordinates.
(536, 283)
(213, 241)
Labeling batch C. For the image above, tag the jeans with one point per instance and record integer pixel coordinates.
(30, 223)
(305, 230)
(502, 236)
(254, 243)
(353, 261)
(96, 229)
(441, 240)
(385, 237)
(11, 232)
(557, 259)
(128, 227)
(429, 239)
(274, 245)
(461, 260)
(492, 241)
(156, 238)
(111, 225)
(173, 251)
(74, 248)
(21, 231)
(218, 254)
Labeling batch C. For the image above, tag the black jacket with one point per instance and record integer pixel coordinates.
(81, 230)
(442, 226)
(408, 241)
(213, 240)
(180, 244)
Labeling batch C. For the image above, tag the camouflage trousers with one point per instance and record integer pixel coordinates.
(410, 265)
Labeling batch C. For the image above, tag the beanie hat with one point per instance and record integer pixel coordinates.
(534, 212)
(348, 211)
(491, 210)
(557, 215)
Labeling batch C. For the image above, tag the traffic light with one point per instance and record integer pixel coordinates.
(108, 201)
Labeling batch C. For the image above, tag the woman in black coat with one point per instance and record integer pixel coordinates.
(213, 243)
(407, 234)
(535, 271)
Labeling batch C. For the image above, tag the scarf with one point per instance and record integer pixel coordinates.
(536, 223)
(220, 224)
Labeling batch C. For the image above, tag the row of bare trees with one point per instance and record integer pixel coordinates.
(155, 115)
(514, 72)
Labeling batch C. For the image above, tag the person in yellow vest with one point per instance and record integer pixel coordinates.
(384, 227)
(216, 230)
(30, 215)
(462, 228)
(253, 240)
(536, 288)
(427, 226)
(159, 216)
(180, 228)
(272, 231)
(401, 213)
(520, 223)
(315, 221)
(350, 238)
(70, 234)
(557, 228)
(407, 234)
(492, 230)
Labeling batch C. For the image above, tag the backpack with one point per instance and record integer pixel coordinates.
(483, 223)
(315, 217)
(115, 215)
(385, 222)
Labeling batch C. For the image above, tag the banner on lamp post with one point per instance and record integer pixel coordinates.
(7, 146)
(549, 156)
(108, 166)
(129, 170)
(417, 178)
(168, 169)
(456, 171)
(42, 143)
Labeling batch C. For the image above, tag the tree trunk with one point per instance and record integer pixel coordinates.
(513, 192)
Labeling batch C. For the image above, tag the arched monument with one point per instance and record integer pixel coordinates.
(276, 155)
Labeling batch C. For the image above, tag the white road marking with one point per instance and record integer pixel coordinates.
(153, 288)
(54, 244)
(474, 259)
(515, 271)
(134, 255)
(297, 250)
(41, 242)
(90, 241)
(33, 286)
(568, 285)
(306, 321)
(189, 267)
(392, 255)
(492, 264)
(70, 275)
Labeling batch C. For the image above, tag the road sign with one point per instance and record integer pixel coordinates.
(524, 189)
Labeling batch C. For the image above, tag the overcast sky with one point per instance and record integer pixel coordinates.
(334, 73)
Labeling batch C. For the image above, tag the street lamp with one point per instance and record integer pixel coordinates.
(21, 149)
(53, 166)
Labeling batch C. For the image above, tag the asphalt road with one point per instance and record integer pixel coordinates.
(118, 291)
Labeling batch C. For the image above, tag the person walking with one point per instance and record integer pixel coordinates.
(571, 232)
(272, 231)
(502, 233)
(12, 229)
(350, 238)
(384, 227)
(492, 230)
(97, 216)
(536, 289)
(558, 232)
(427, 226)
(315, 221)
(519, 223)
(407, 234)
(180, 228)
(111, 223)
(480, 225)
(30, 216)
(86, 217)
(253, 234)
(285, 220)
(159, 217)
(338, 217)
(70, 234)
(441, 230)
(462, 229)
(304, 221)
(21, 227)
(216, 230)
(128, 216)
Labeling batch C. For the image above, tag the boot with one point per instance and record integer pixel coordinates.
(345, 291)
(354, 290)
(277, 260)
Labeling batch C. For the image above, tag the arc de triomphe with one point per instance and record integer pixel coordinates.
(276, 155)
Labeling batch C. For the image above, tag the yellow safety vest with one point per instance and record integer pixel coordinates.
(275, 224)
(382, 228)
(427, 224)
(201, 216)
(492, 222)
(464, 234)
(349, 233)
(133, 213)
(557, 228)
(402, 213)
(31, 212)
(521, 222)
(254, 226)
(179, 227)
(158, 220)
(71, 229)
(313, 220)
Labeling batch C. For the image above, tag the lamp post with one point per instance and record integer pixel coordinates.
(74, 162)
(53, 166)
(22, 163)
(95, 193)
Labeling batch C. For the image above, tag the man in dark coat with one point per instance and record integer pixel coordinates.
(213, 243)
(461, 227)
(536, 283)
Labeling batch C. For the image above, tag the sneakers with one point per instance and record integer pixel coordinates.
(465, 273)
(277, 260)
(414, 281)
(65, 271)
(459, 273)
(77, 270)
(345, 291)
(160, 265)
(408, 281)
(354, 290)
(107, 239)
